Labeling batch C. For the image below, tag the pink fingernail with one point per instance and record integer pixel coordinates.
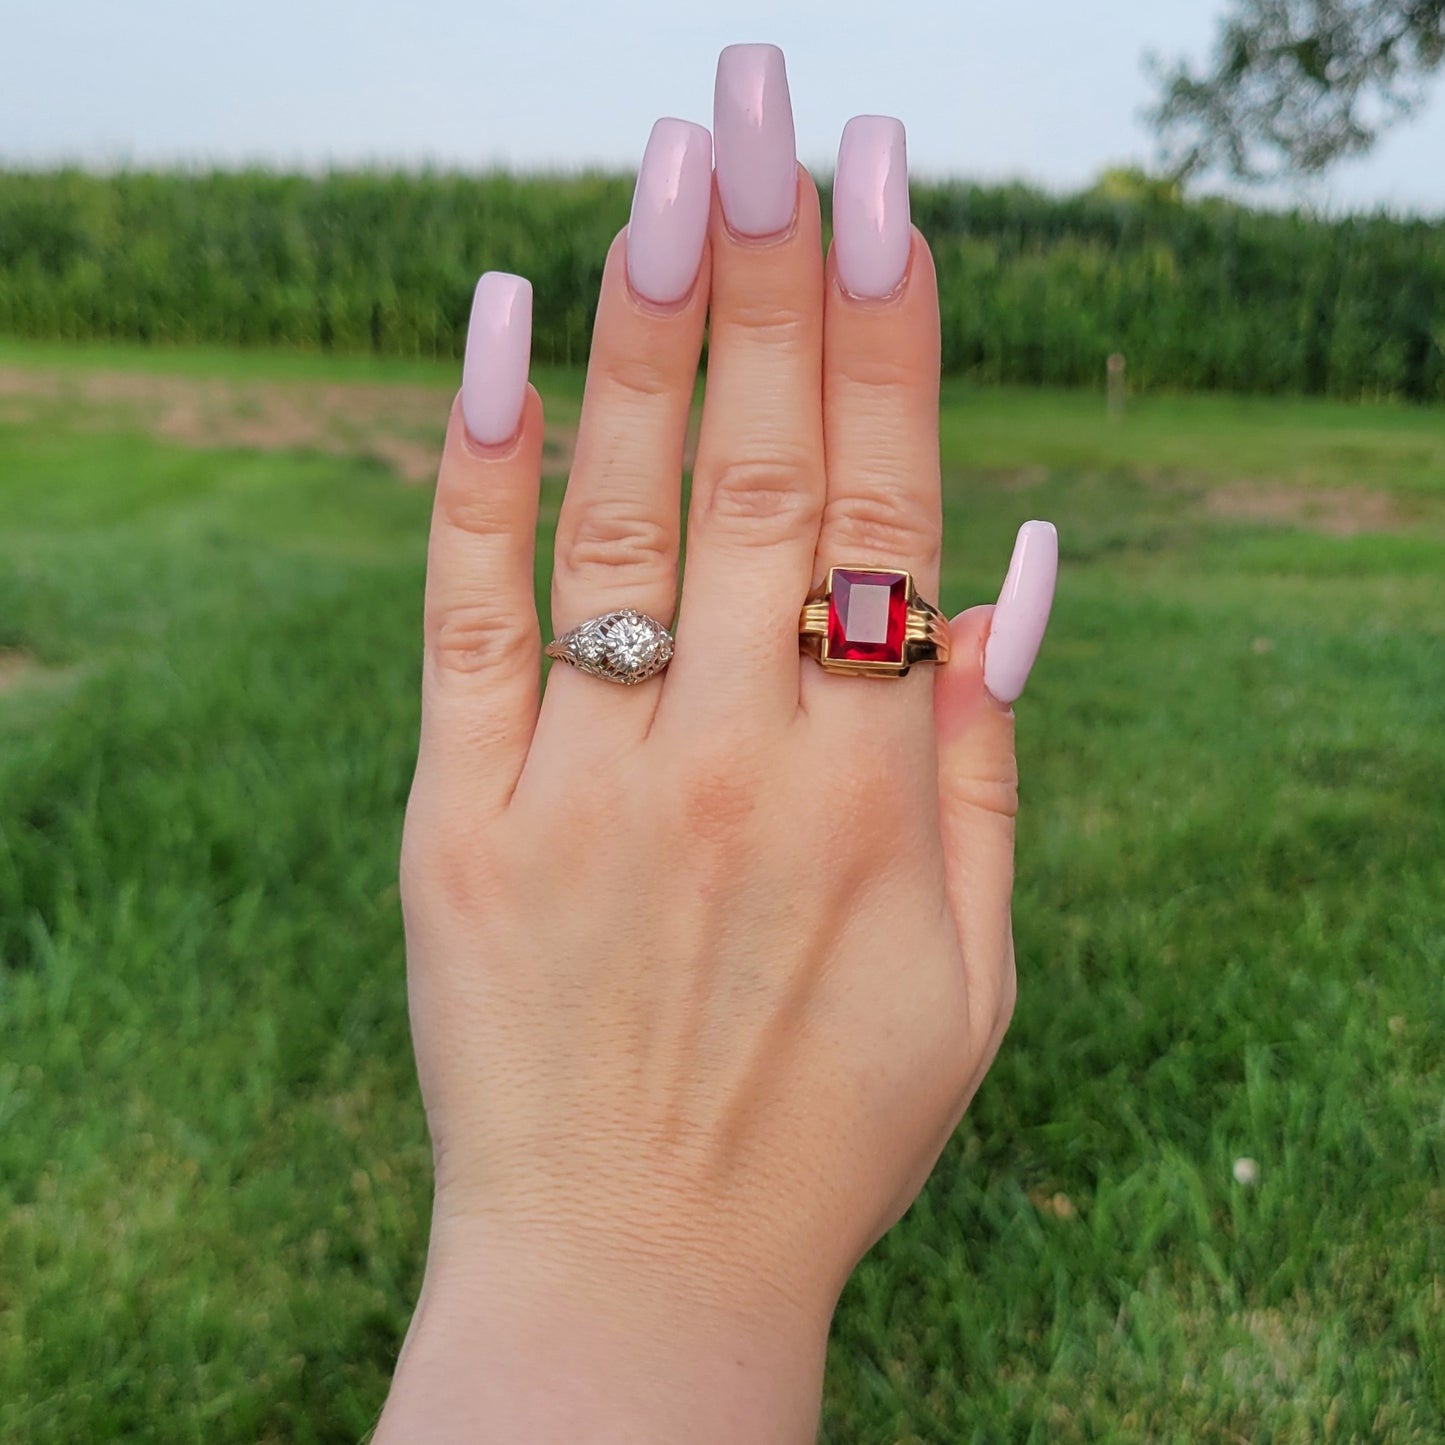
(872, 234)
(669, 211)
(499, 350)
(1022, 613)
(757, 161)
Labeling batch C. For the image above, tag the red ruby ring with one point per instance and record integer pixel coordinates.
(871, 622)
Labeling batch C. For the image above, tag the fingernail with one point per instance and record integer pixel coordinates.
(872, 234)
(757, 162)
(499, 349)
(1022, 613)
(669, 211)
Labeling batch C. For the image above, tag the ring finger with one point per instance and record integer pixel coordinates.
(880, 391)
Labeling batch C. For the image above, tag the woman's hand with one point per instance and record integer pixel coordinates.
(703, 971)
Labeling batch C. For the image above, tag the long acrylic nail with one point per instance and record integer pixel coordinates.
(757, 161)
(499, 351)
(1022, 613)
(872, 234)
(669, 211)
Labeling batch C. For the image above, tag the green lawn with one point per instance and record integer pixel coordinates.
(1230, 922)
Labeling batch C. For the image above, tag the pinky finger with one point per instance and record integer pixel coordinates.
(483, 651)
(1022, 614)
(993, 651)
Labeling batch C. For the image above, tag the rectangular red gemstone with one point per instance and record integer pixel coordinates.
(867, 616)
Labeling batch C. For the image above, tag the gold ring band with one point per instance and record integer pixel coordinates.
(871, 622)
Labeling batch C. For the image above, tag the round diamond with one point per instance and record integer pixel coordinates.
(591, 643)
(623, 646)
(631, 642)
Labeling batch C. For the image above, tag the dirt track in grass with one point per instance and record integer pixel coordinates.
(14, 665)
(1335, 511)
(400, 425)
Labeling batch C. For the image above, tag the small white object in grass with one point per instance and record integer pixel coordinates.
(1246, 1171)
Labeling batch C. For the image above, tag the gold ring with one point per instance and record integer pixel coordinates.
(871, 622)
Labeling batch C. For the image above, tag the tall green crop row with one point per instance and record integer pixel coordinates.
(1200, 296)
(347, 262)
(1035, 289)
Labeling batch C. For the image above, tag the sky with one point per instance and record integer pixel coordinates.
(1045, 91)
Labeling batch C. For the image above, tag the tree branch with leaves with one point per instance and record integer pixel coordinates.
(1295, 85)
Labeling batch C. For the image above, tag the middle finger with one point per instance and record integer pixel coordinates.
(758, 484)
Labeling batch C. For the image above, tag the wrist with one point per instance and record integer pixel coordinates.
(516, 1341)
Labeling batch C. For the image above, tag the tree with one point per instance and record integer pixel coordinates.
(1295, 85)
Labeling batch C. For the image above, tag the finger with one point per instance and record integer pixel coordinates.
(1022, 615)
(880, 389)
(481, 668)
(758, 483)
(618, 530)
(977, 770)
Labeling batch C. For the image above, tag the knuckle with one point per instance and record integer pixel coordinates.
(647, 375)
(997, 796)
(864, 802)
(719, 798)
(886, 374)
(602, 536)
(455, 876)
(778, 491)
(886, 521)
(445, 863)
(770, 323)
(478, 637)
(477, 511)
(994, 791)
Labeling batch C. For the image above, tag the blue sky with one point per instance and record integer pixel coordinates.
(1047, 91)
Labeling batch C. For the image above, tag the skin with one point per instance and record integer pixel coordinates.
(704, 972)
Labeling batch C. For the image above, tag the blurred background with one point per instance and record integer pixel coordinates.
(1192, 264)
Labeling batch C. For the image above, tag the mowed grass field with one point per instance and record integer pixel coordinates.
(1230, 919)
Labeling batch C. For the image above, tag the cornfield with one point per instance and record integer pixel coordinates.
(1036, 289)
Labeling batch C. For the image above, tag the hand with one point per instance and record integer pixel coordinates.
(703, 971)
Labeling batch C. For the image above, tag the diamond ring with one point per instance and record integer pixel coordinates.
(871, 622)
(626, 647)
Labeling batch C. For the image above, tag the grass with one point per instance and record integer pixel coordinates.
(213, 1167)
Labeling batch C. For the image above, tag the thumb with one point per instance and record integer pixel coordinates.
(993, 650)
